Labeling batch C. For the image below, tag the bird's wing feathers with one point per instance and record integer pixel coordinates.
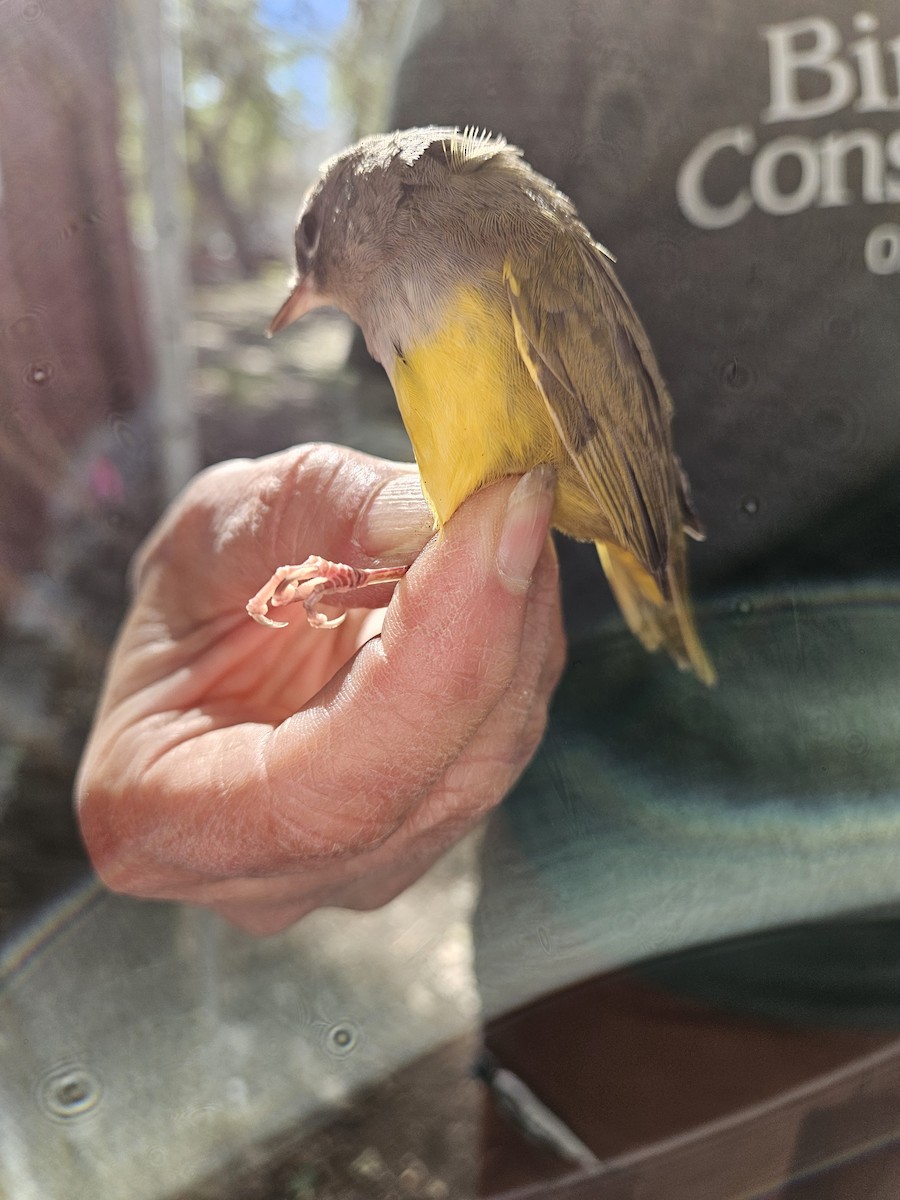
(589, 357)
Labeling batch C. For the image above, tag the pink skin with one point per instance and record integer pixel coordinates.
(264, 775)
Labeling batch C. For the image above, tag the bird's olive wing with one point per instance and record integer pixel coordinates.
(590, 358)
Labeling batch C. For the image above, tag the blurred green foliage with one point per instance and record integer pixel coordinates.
(270, 88)
(242, 119)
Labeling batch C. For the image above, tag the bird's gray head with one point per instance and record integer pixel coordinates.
(353, 231)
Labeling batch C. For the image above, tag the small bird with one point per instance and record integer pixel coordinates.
(509, 343)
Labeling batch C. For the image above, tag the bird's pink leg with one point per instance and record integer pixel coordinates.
(309, 582)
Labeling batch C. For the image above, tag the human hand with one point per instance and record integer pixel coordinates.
(266, 773)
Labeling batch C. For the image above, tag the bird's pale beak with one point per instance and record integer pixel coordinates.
(302, 300)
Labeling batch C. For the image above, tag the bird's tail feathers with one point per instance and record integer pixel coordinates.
(654, 618)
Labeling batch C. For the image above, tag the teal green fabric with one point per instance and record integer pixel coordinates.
(661, 815)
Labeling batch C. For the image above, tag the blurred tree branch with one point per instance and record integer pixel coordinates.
(247, 90)
(238, 122)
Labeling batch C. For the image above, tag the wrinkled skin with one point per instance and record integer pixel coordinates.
(264, 773)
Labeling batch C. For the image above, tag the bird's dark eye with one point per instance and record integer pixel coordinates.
(308, 234)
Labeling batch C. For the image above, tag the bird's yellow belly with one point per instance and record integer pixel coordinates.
(469, 405)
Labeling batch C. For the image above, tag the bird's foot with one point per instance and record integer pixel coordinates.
(309, 582)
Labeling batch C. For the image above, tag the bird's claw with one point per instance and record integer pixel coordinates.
(307, 583)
